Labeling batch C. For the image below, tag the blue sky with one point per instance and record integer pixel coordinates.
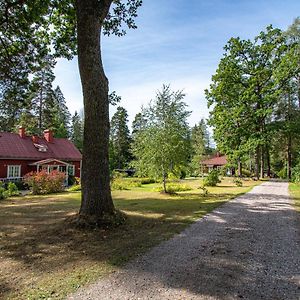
(178, 42)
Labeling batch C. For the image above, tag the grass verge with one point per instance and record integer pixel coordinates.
(43, 258)
(295, 193)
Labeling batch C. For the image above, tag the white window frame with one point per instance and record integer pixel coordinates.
(13, 167)
(73, 170)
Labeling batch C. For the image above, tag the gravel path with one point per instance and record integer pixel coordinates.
(249, 248)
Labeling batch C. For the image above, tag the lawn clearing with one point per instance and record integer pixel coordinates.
(295, 193)
(43, 257)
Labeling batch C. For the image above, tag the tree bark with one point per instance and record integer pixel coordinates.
(262, 162)
(289, 157)
(97, 207)
(239, 168)
(257, 163)
(268, 162)
(164, 182)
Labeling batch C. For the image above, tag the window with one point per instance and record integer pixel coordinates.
(71, 170)
(13, 171)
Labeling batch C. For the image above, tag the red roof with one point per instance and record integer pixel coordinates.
(215, 161)
(15, 147)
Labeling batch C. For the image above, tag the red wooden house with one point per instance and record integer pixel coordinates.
(21, 154)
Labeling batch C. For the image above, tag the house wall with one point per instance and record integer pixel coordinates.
(25, 168)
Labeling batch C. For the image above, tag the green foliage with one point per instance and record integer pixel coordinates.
(74, 188)
(144, 180)
(10, 190)
(176, 187)
(3, 194)
(45, 183)
(124, 184)
(246, 173)
(77, 130)
(199, 146)
(120, 140)
(162, 145)
(117, 174)
(282, 173)
(238, 182)
(296, 173)
(255, 98)
(204, 190)
(212, 179)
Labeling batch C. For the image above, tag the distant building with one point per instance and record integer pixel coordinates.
(216, 162)
(21, 154)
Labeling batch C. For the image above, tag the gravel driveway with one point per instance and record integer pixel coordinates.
(249, 248)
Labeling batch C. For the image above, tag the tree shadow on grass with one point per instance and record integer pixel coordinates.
(38, 240)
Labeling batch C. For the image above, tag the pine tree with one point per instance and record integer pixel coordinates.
(42, 95)
(120, 139)
(62, 116)
(77, 131)
(199, 145)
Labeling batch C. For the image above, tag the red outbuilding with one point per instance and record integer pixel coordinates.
(21, 154)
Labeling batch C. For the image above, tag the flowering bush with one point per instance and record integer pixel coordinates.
(45, 183)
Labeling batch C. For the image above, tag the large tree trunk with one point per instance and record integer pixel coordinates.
(97, 208)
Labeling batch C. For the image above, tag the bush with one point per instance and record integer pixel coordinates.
(43, 183)
(246, 173)
(74, 188)
(204, 190)
(12, 189)
(144, 180)
(175, 187)
(125, 184)
(212, 179)
(282, 173)
(238, 182)
(3, 195)
(117, 174)
(296, 173)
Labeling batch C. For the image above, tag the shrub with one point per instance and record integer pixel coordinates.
(12, 189)
(144, 180)
(175, 187)
(44, 183)
(296, 173)
(212, 179)
(282, 173)
(74, 188)
(3, 195)
(204, 190)
(117, 174)
(238, 182)
(125, 183)
(246, 173)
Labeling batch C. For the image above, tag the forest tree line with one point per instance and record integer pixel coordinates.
(255, 102)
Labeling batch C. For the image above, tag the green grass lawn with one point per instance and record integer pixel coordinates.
(295, 193)
(42, 257)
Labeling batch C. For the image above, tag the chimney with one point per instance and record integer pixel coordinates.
(35, 139)
(48, 135)
(22, 132)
